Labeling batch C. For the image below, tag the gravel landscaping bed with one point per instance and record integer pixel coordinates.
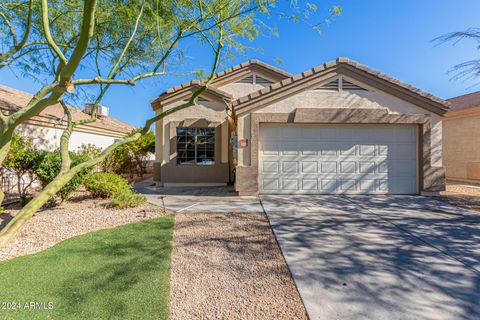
(229, 266)
(77, 216)
(462, 195)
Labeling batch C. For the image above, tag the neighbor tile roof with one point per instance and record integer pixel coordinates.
(12, 100)
(469, 100)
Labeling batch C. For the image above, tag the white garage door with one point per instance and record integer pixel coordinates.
(335, 159)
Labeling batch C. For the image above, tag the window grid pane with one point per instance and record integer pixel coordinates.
(196, 146)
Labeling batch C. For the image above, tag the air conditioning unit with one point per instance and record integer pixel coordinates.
(102, 111)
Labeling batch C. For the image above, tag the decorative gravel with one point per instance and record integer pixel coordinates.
(78, 216)
(463, 195)
(229, 266)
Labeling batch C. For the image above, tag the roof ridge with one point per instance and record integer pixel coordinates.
(335, 63)
(464, 95)
(221, 74)
(13, 99)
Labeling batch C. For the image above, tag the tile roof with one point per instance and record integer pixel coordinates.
(256, 63)
(441, 104)
(222, 76)
(466, 101)
(12, 100)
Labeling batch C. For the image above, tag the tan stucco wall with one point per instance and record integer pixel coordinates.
(207, 114)
(354, 100)
(48, 139)
(238, 90)
(461, 145)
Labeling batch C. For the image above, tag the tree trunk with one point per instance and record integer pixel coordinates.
(19, 184)
(36, 203)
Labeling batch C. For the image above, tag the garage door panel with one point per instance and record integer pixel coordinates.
(348, 166)
(329, 185)
(270, 184)
(289, 167)
(364, 159)
(347, 149)
(328, 167)
(309, 167)
(270, 167)
(367, 166)
(290, 184)
(309, 184)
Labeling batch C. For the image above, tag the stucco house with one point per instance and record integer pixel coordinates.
(461, 138)
(46, 129)
(338, 128)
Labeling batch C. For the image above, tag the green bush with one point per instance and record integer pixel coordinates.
(49, 168)
(22, 159)
(126, 199)
(105, 184)
(113, 186)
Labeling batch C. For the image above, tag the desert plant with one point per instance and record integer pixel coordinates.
(126, 199)
(113, 186)
(49, 168)
(105, 184)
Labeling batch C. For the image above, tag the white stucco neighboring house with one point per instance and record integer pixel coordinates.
(339, 128)
(46, 129)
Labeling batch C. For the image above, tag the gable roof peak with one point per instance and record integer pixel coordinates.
(352, 67)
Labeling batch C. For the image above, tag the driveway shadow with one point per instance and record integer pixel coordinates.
(379, 258)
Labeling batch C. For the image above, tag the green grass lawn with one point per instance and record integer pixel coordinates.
(121, 273)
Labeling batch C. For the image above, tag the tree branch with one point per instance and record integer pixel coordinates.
(86, 33)
(65, 139)
(19, 46)
(48, 35)
(10, 27)
(131, 81)
(127, 45)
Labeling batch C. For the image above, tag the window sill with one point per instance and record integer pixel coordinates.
(195, 164)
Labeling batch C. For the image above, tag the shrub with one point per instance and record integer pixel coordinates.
(49, 168)
(89, 150)
(126, 199)
(22, 159)
(132, 156)
(113, 186)
(105, 184)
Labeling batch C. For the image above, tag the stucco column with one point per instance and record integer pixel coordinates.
(157, 165)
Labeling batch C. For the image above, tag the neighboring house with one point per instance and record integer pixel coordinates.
(461, 138)
(338, 128)
(46, 129)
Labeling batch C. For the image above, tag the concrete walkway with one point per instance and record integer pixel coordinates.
(365, 257)
(198, 199)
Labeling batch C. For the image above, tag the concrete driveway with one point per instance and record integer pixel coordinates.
(385, 257)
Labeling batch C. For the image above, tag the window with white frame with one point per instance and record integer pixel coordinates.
(196, 146)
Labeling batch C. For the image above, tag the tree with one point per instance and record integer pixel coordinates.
(114, 42)
(468, 69)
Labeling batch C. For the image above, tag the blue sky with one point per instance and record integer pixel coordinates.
(393, 37)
